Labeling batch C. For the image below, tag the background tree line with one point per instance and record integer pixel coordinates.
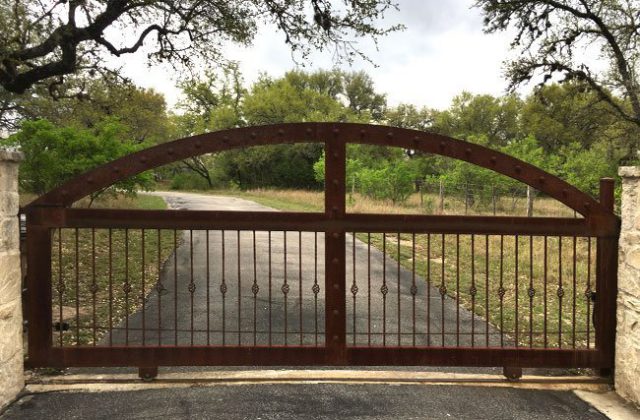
(579, 123)
(565, 129)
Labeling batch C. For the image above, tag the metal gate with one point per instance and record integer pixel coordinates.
(471, 290)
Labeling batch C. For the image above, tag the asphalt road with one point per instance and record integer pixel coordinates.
(267, 288)
(309, 401)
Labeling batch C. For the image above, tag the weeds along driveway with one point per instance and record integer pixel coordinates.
(270, 290)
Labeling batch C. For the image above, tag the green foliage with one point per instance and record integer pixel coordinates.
(584, 168)
(552, 36)
(54, 155)
(408, 116)
(220, 102)
(141, 112)
(280, 166)
(383, 173)
(393, 182)
(188, 181)
(281, 101)
(495, 118)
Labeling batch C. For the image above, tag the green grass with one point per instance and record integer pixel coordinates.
(282, 202)
(150, 202)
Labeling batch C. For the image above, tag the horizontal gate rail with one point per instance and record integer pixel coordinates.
(306, 356)
(264, 220)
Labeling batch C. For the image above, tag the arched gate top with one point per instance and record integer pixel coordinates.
(162, 154)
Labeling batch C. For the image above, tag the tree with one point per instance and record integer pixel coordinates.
(142, 112)
(273, 101)
(361, 95)
(553, 35)
(496, 118)
(42, 42)
(560, 115)
(214, 99)
(408, 116)
(54, 155)
(584, 168)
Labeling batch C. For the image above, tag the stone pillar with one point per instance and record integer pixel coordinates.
(627, 367)
(11, 352)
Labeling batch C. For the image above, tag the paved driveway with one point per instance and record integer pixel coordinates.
(221, 287)
(310, 401)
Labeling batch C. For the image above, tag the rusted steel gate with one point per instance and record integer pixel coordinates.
(357, 317)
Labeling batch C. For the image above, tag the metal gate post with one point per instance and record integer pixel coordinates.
(606, 285)
(335, 265)
(38, 288)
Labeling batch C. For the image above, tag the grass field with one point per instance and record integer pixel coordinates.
(100, 276)
(532, 300)
(310, 201)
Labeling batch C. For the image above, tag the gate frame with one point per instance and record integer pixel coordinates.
(53, 210)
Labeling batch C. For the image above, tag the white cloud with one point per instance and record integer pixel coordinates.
(442, 52)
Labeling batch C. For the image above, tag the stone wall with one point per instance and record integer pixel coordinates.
(627, 370)
(11, 352)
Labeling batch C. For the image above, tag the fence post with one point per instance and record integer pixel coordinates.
(493, 198)
(441, 197)
(11, 351)
(466, 198)
(529, 201)
(627, 344)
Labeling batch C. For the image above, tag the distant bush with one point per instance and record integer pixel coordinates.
(188, 181)
(394, 182)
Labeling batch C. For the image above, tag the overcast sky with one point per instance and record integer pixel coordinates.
(442, 52)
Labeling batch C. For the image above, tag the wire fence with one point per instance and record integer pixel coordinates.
(440, 197)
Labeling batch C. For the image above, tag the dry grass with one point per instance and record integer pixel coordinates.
(476, 267)
(300, 200)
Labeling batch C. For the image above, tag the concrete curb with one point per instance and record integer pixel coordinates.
(131, 382)
(610, 404)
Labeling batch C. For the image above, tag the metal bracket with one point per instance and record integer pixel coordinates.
(61, 326)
